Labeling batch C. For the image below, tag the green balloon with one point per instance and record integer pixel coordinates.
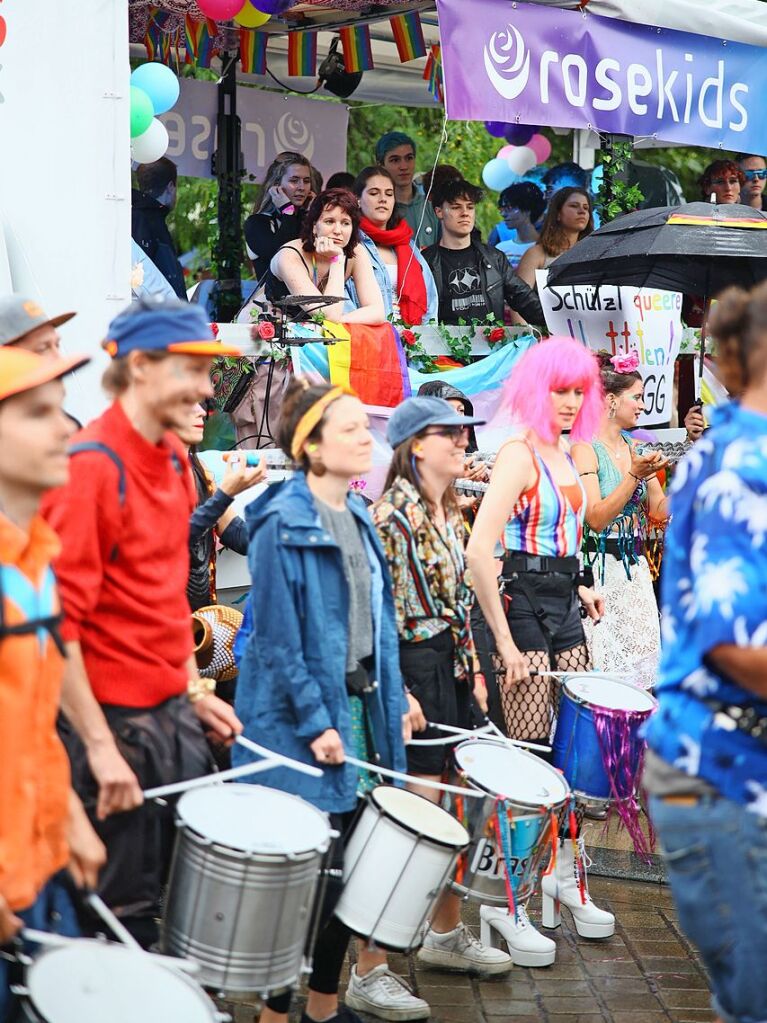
(141, 111)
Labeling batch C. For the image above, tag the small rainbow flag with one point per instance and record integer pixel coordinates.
(253, 51)
(302, 54)
(200, 41)
(745, 223)
(157, 38)
(408, 35)
(358, 52)
(372, 363)
(433, 74)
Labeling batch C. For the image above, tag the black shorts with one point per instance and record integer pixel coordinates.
(554, 594)
(428, 671)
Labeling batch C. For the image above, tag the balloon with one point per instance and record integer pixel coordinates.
(219, 10)
(522, 160)
(159, 83)
(504, 152)
(250, 17)
(141, 111)
(519, 134)
(495, 128)
(273, 6)
(151, 145)
(498, 175)
(541, 146)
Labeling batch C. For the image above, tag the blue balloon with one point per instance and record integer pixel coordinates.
(159, 83)
(519, 134)
(496, 128)
(497, 175)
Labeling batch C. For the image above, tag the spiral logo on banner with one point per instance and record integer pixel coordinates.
(507, 62)
(293, 134)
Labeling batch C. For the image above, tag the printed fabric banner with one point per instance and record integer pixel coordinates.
(270, 122)
(617, 320)
(534, 65)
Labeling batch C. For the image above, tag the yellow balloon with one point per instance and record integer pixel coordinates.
(250, 17)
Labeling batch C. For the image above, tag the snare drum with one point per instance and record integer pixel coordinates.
(242, 886)
(86, 981)
(596, 743)
(524, 795)
(399, 856)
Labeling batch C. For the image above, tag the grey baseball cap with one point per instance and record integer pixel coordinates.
(415, 414)
(19, 316)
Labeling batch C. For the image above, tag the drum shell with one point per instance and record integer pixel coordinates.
(243, 917)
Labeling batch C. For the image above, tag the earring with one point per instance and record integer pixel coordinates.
(612, 410)
(311, 447)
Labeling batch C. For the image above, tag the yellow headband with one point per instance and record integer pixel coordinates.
(310, 418)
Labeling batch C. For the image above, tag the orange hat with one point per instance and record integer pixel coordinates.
(21, 370)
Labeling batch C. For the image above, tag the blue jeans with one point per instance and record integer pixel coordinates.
(52, 911)
(716, 855)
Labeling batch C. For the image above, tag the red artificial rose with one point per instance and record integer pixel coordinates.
(408, 337)
(265, 330)
(214, 329)
(496, 334)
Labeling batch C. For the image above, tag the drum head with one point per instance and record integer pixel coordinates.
(511, 773)
(610, 693)
(255, 819)
(420, 815)
(90, 982)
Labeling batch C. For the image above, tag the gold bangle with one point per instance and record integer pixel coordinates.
(198, 688)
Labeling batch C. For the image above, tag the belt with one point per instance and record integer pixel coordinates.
(518, 561)
(734, 717)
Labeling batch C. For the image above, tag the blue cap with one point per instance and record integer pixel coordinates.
(168, 325)
(415, 414)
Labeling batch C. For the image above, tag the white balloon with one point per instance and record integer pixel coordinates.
(522, 159)
(151, 144)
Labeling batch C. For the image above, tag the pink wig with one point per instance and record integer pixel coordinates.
(559, 362)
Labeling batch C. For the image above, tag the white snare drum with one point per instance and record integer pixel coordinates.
(398, 858)
(532, 793)
(86, 981)
(245, 872)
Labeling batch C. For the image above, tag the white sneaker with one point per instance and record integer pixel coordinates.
(526, 945)
(460, 950)
(560, 888)
(384, 994)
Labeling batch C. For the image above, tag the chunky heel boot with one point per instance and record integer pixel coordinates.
(560, 888)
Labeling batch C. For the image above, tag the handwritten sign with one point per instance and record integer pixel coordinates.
(618, 320)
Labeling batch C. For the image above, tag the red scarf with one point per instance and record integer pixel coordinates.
(410, 283)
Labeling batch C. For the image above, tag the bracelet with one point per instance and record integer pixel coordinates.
(198, 688)
(637, 478)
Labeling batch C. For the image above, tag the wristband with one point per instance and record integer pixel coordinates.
(198, 688)
(637, 478)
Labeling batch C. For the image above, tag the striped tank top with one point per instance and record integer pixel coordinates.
(546, 520)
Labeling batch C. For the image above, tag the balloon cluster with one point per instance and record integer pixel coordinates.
(250, 14)
(153, 90)
(525, 149)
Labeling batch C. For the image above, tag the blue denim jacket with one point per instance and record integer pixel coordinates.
(384, 282)
(292, 684)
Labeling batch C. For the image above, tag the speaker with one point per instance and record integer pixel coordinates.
(334, 75)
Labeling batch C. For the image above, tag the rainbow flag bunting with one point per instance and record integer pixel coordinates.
(433, 74)
(408, 35)
(302, 54)
(358, 52)
(253, 51)
(200, 41)
(157, 38)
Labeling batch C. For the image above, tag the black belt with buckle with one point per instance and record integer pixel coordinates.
(518, 561)
(735, 717)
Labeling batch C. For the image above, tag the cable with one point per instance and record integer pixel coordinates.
(289, 88)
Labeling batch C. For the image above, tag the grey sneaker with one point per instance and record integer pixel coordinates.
(382, 993)
(460, 950)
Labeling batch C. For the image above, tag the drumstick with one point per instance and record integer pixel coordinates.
(262, 751)
(375, 769)
(59, 940)
(497, 733)
(209, 779)
(117, 928)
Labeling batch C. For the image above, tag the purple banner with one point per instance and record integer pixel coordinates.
(270, 123)
(529, 63)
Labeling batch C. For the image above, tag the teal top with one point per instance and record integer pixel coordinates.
(628, 526)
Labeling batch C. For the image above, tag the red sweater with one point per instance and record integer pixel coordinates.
(130, 614)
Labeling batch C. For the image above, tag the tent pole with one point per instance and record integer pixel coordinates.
(228, 170)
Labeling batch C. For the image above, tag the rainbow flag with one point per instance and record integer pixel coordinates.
(200, 41)
(253, 51)
(746, 223)
(433, 74)
(358, 53)
(302, 54)
(157, 38)
(408, 35)
(372, 363)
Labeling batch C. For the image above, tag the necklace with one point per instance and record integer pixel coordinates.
(315, 275)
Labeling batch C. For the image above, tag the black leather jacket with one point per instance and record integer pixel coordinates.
(499, 283)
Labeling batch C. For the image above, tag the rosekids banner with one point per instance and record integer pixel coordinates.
(618, 320)
(531, 64)
(270, 122)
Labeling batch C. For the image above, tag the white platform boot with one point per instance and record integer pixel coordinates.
(526, 945)
(560, 888)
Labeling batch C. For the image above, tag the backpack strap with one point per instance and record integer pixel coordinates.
(51, 623)
(104, 449)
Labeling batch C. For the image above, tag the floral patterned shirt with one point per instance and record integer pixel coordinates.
(715, 592)
(428, 570)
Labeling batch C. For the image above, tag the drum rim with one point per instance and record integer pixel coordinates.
(576, 698)
(370, 798)
(514, 802)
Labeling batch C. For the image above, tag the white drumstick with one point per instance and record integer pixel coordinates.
(413, 780)
(209, 779)
(488, 729)
(59, 941)
(262, 751)
(117, 928)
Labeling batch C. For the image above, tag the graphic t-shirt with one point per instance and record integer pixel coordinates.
(461, 296)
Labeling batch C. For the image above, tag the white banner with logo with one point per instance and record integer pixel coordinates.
(270, 123)
(618, 320)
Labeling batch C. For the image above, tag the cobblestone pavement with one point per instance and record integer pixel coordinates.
(645, 973)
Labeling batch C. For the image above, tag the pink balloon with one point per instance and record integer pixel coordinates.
(219, 10)
(541, 146)
(505, 152)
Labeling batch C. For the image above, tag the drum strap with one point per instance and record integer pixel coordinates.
(540, 614)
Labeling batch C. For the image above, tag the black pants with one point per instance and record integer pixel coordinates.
(161, 745)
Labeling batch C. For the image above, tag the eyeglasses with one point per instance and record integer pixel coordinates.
(725, 181)
(755, 175)
(455, 433)
(509, 209)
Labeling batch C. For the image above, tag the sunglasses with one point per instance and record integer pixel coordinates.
(725, 181)
(756, 175)
(455, 433)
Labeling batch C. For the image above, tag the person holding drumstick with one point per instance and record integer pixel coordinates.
(535, 506)
(320, 673)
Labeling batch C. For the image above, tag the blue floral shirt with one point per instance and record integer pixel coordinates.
(714, 591)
